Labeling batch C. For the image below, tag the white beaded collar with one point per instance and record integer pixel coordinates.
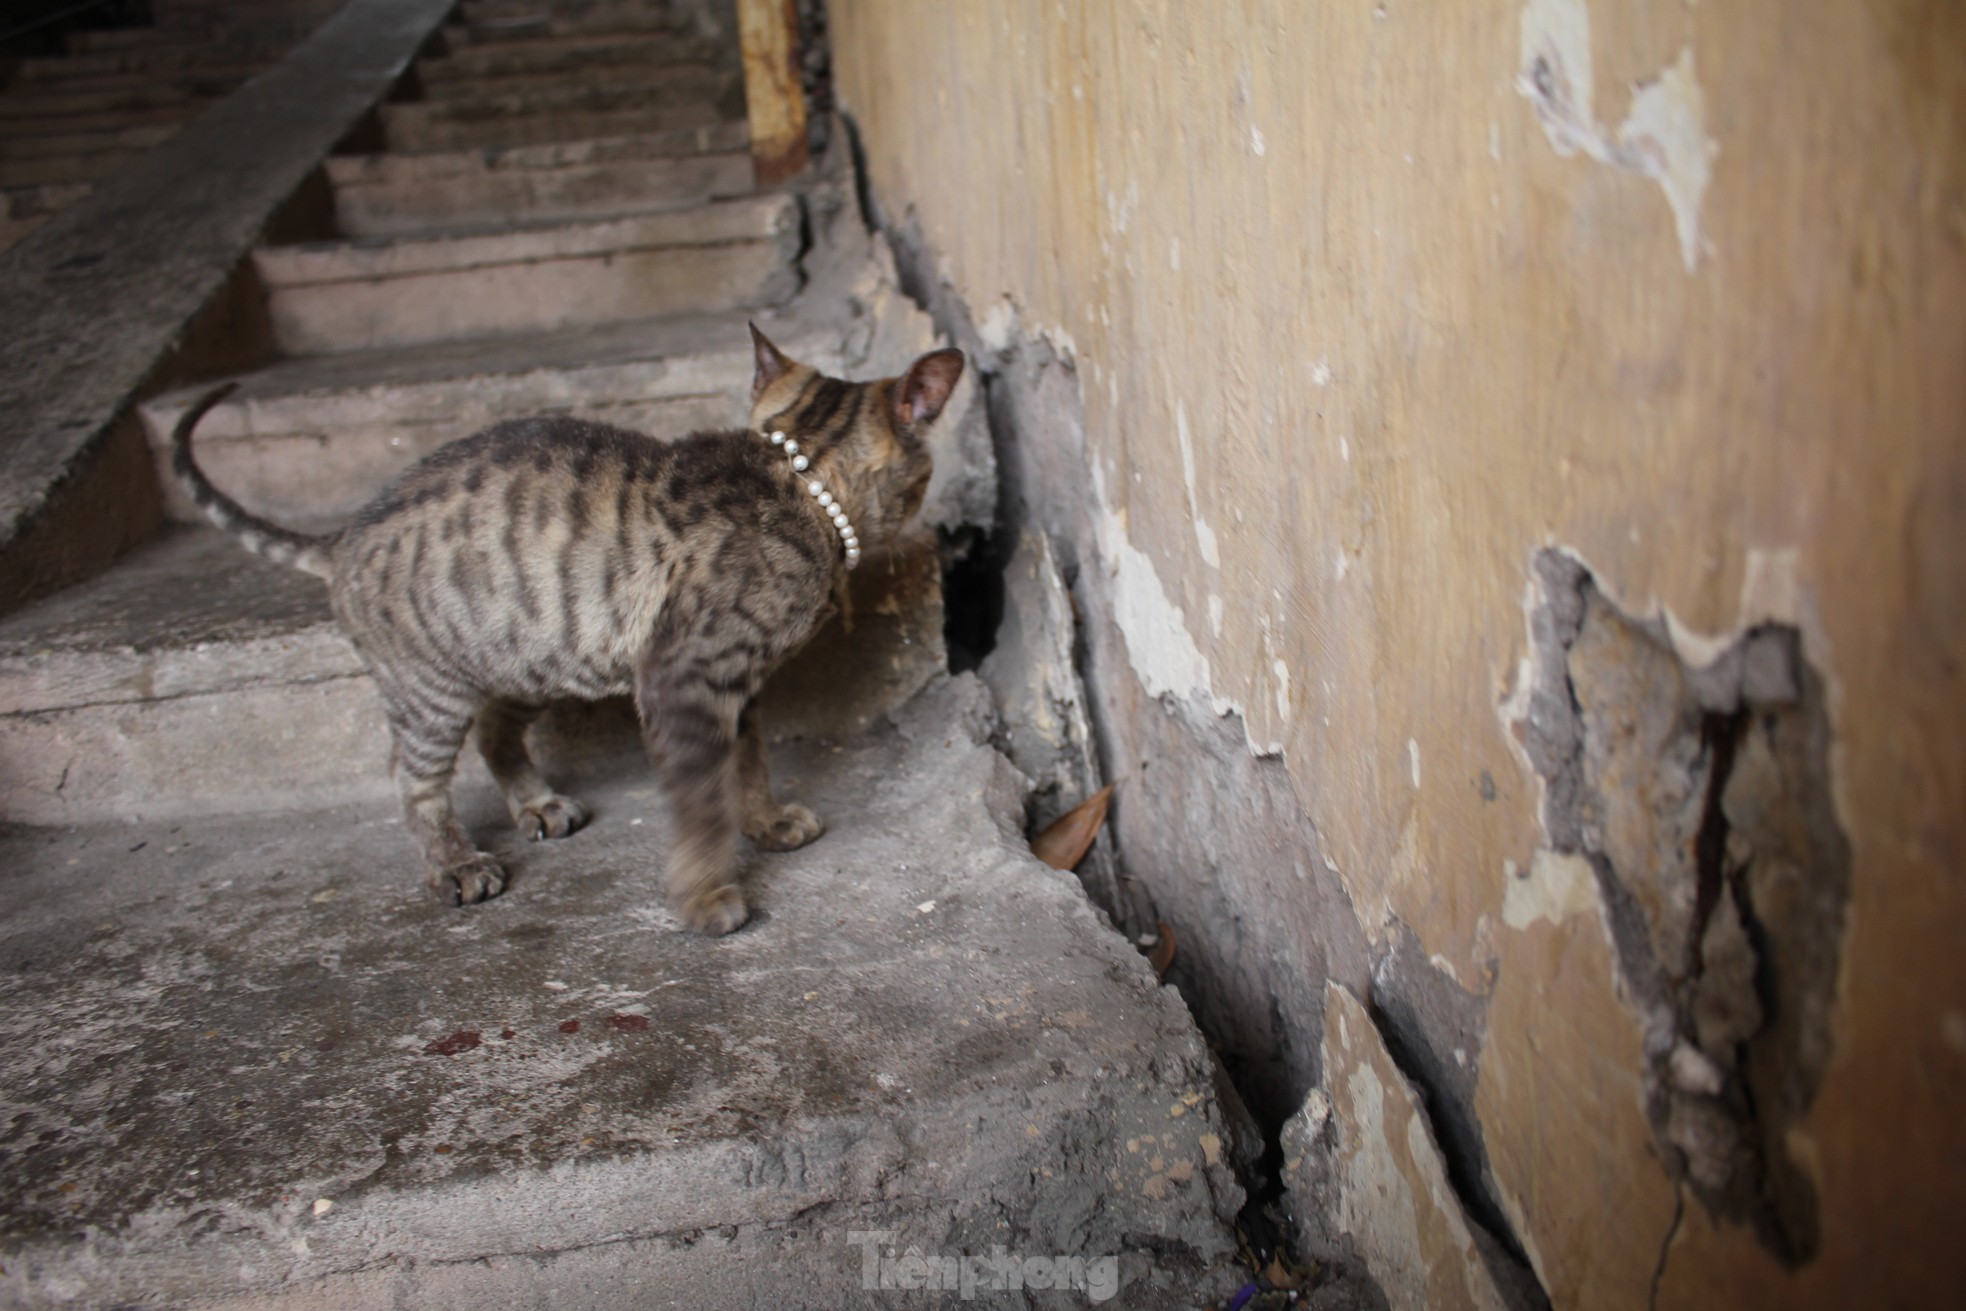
(832, 507)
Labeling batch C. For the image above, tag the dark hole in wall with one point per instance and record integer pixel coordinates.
(1701, 795)
(972, 596)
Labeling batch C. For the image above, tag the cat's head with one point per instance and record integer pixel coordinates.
(867, 440)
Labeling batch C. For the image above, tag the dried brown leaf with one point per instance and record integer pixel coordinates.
(1162, 956)
(1064, 844)
(1278, 1275)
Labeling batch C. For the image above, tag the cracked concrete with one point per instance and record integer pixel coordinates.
(248, 1058)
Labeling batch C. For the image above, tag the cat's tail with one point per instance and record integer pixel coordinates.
(280, 545)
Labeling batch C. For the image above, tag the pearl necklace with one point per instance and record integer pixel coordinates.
(832, 507)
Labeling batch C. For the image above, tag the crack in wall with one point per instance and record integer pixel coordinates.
(1700, 796)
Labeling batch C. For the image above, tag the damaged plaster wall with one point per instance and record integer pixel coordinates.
(1308, 328)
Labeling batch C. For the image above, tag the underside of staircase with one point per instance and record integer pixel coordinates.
(246, 1061)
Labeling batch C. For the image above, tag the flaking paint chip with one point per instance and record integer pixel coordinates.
(323, 1205)
(926, 907)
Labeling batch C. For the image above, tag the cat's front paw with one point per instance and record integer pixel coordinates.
(555, 817)
(786, 829)
(470, 879)
(714, 913)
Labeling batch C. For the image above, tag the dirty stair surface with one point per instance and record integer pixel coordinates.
(248, 1064)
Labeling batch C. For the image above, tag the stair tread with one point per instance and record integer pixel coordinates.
(573, 350)
(188, 588)
(877, 1039)
(722, 138)
(745, 218)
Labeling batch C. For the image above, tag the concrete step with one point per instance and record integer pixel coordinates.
(194, 678)
(248, 1064)
(54, 104)
(686, 97)
(58, 170)
(278, 35)
(494, 23)
(157, 57)
(209, 82)
(396, 195)
(70, 127)
(82, 143)
(178, 12)
(581, 54)
(344, 296)
(308, 440)
(572, 81)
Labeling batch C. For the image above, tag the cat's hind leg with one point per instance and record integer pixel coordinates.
(773, 826)
(429, 720)
(537, 809)
(689, 723)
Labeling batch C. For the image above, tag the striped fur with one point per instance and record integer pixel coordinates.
(554, 558)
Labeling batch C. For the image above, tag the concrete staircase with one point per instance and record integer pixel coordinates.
(68, 120)
(246, 1062)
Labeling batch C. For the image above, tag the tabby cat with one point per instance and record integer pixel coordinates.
(552, 558)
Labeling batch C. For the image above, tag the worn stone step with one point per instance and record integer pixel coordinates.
(210, 82)
(394, 195)
(249, 1064)
(82, 143)
(60, 170)
(157, 58)
(343, 296)
(194, 678)
(307, 441)
(693, 97)
(578, 54)
(572, 82)
(279, 33)
(491, 23)
(49, 106)
(177, 12)
(69, 127)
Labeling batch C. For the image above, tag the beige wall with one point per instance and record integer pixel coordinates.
(1361, 325)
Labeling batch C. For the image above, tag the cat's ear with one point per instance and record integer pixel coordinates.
(922, 391)
(772, 364)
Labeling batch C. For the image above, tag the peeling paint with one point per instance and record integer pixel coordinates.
(1211, 551)
(1663, 137)
(1393, 1193)
(1158, 646)
(1557, 887)
(999, 327)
